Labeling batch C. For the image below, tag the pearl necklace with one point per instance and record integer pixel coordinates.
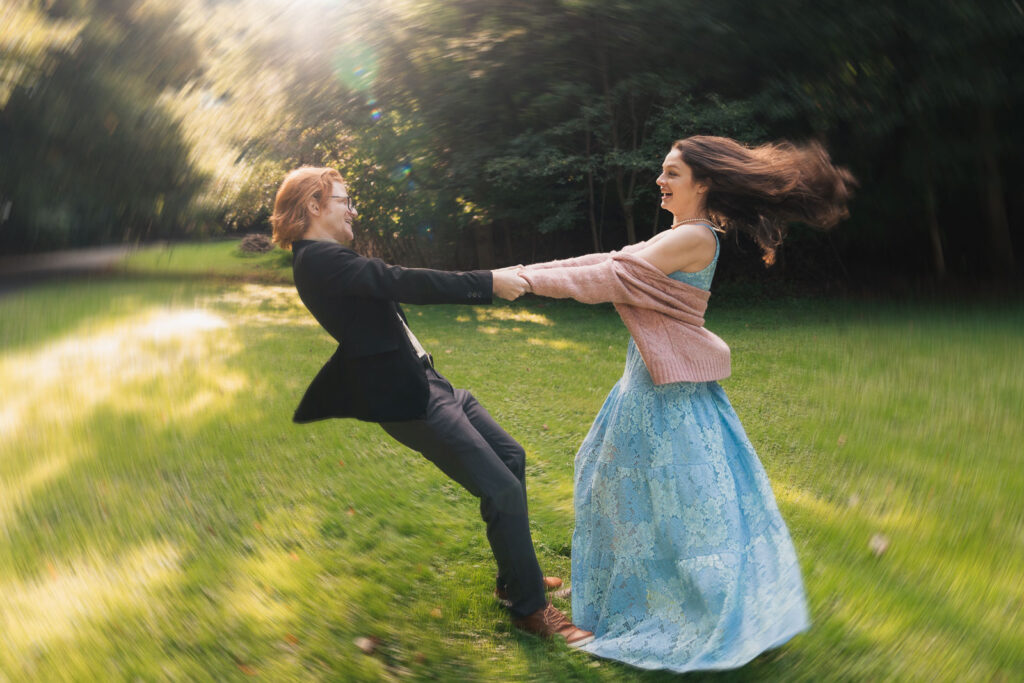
(695, 220)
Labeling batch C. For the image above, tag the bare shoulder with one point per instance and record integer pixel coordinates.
(689, 237)
(688, 248)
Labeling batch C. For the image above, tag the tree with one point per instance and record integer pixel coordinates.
(89, 155)
(921, 95)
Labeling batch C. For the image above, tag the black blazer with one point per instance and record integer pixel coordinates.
(375, 375)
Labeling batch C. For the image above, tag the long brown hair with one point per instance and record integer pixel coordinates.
(758, 190)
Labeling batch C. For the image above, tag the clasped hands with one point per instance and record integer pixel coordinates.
(509, 283)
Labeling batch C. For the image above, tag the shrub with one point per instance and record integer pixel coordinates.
(255, 243)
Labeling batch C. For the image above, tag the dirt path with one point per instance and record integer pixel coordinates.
(20, 271)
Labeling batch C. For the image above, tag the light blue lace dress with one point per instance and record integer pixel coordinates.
(680, 558)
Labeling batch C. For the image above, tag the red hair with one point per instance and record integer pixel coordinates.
(291, 216)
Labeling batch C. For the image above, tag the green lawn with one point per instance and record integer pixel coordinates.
(162, 518)
(221, 259)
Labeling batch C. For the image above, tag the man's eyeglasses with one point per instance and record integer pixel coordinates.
(348, 201)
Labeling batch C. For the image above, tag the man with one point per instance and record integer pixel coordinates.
(380, 373)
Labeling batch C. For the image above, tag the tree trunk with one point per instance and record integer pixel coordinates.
(625, 201)
(1000, 245)
(654, 223)
(595, 234)
(938, 259)
(630, 222)
(627, 207)
(510, 256)
(483, 236)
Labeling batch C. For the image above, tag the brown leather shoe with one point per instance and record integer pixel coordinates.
(550, 584)
(548, 621)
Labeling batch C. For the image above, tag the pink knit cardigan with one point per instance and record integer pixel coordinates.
(665, 316)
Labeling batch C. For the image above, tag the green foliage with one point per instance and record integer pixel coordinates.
(920, 98)
(477, 133)
(90, 156)
(28, 41)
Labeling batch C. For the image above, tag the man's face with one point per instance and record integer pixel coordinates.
(336, 216)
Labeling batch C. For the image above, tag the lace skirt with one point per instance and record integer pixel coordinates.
(680, 558)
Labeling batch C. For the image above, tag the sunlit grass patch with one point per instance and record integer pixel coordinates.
(557, 344)
(506, 314)
(52, 610)
(153, 478)
(61, 381)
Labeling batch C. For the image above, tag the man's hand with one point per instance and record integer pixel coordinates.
(509, 285)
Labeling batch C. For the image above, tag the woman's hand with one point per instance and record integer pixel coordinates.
(508, 284)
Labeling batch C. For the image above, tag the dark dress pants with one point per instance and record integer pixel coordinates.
(461, 438)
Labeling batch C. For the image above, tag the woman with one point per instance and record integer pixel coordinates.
(680, 558)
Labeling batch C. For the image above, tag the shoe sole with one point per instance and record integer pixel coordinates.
(574, 644)
(580, 643)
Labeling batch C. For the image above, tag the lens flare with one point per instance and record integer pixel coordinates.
(355, 65)
(400, 173)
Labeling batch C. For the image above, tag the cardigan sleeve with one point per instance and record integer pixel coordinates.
(602, 282)
(623, 280)
(587, 259)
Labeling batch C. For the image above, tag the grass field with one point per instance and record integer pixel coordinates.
(162, 518)
(216, 259)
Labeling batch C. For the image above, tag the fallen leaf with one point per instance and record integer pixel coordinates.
(436, 612)
(544, 427)
(367, 645)
(842, 440)
(878, 544)
(351, 511)
(292, 640)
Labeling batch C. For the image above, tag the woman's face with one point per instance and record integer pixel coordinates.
(680, 194)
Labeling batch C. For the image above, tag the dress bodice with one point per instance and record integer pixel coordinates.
(701, 278)
(636, 370)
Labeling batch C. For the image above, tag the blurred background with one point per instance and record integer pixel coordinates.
(162, 519)
(477, 133)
